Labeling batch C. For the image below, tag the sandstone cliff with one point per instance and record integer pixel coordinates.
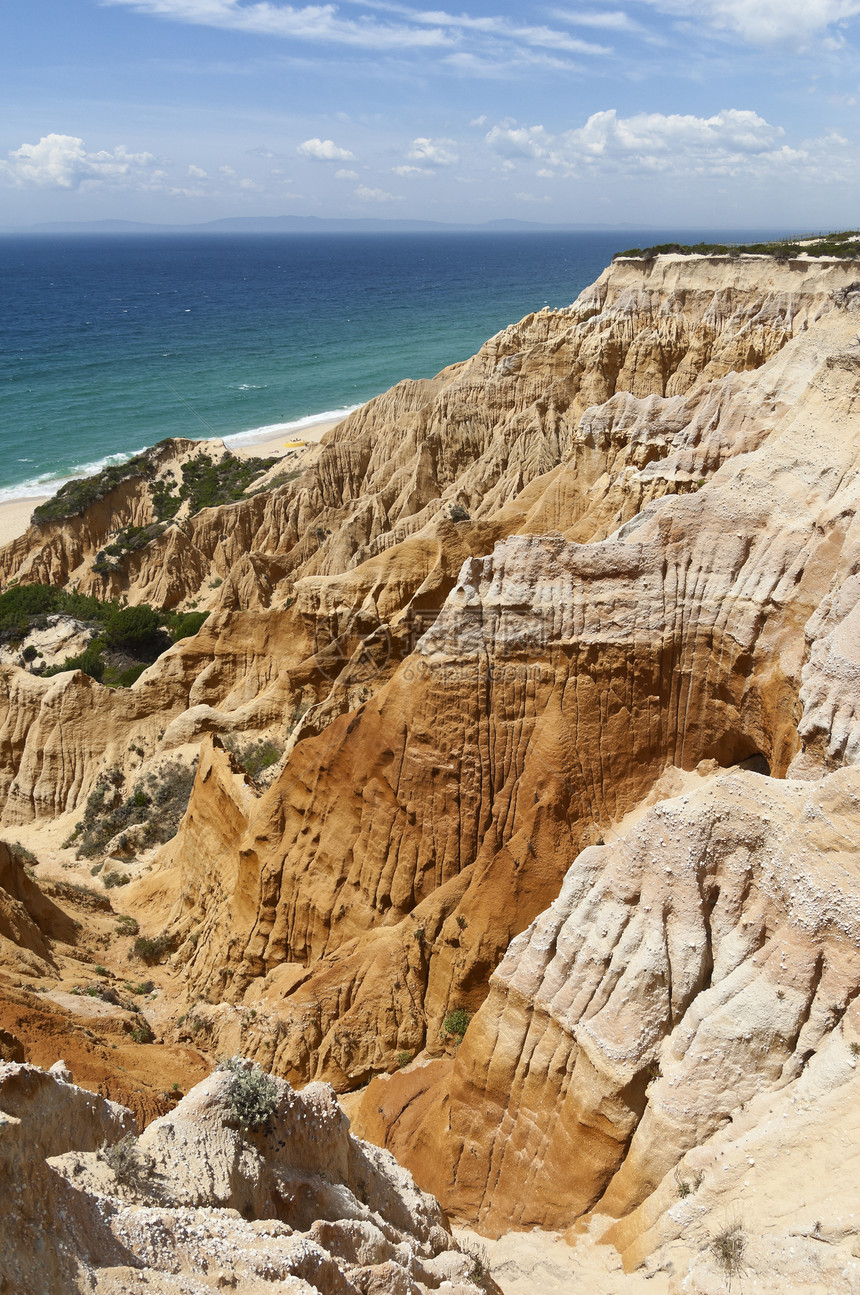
(490, 803)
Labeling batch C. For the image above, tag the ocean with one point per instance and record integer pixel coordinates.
(110, 343)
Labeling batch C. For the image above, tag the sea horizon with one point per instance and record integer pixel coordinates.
(109, 345)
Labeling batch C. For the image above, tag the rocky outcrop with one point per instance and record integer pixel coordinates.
(202, 1201)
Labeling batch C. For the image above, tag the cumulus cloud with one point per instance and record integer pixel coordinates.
(410, 172)
(62, 162)
(344, 174)
(732, 142)
(324, 150)
(375, 195)
(438, 152)
(197, 173)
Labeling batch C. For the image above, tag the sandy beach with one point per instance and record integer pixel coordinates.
(15, 515)
(15, 518)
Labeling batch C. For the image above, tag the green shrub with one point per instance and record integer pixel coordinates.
(207, 483)
(153, 948)
(127, 677)
(135, 630)
(187, 625)
(252, 1096)
(456, 1022)
(113, 879)
(142, 1033)
(126, 925)
(253, 756)
(89, 662)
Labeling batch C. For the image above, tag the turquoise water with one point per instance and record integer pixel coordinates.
(109, 344)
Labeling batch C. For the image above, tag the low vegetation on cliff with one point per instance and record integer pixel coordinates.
(125, 640)
(845, 244)
(129, 820)
(204, 480)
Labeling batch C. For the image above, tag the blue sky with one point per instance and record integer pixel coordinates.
(682, 112)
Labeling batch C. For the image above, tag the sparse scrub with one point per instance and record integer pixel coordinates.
(130, 1167)
(255, 756)
(727, 1247)
(456, 1023)
(145, 987)
(153, 948)
(126, 925)
(143, 1033)
(403, 1059)
(112, 879)
(842, 244)
(156, 809)
(479, 1273)
(206, 483)
(252, 1095)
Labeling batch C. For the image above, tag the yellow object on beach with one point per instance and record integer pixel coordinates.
(292, 445)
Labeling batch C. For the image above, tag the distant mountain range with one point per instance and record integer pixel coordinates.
(297, 225)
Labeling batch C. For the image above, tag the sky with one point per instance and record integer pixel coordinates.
(710, 113)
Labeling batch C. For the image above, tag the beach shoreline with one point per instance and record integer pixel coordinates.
(272, 443)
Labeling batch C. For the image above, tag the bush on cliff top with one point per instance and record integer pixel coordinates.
(843, 244)
(252, 1096)
(138, 635)
(207, 483)
(76, 496)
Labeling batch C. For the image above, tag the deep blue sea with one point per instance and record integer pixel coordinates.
(109, 343)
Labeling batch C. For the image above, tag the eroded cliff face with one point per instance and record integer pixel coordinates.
(657, 582)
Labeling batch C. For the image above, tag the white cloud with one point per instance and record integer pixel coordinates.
(478, 121)
(530, 197)
(197, 173)
(519, 141)
(410, 172)
(437, 152)
(226, 170)
(375, 195)
(409, 29)
(344, 174)
(731, 143)
(62, 162)
(609, 20)
(324, 150)
(765, 22)
(321, 22)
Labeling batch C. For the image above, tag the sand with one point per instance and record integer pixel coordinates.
(15, 515)
(281, 442)
(15, 518)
